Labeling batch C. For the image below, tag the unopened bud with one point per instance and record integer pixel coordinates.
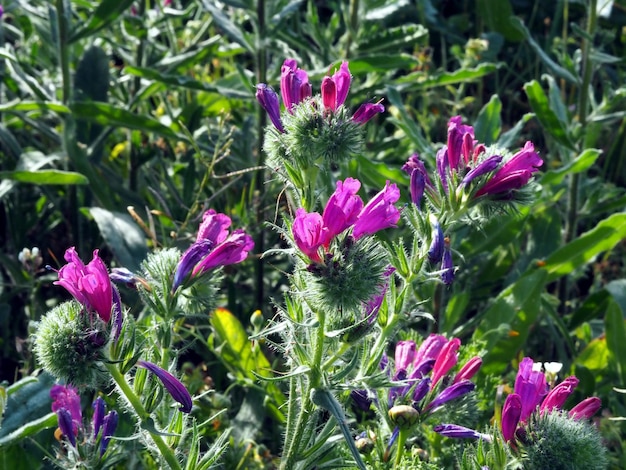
(403, 416)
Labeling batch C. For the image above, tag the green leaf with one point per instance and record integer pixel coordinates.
(497, 16)
(518, 305)
(45, 177)
(595, 356)
(232, 30)
(489, 123)
(546, 115)
(586, 247)
(616, 339)
(407, 123)
(424, 81)
(108, 115)
(593, 307)
(580, 164)
(367, 64)
(392, 39)
(126, 240)
(107, 12)
(18, 105)
(552, 66)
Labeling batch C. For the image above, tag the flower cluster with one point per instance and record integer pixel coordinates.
(295, 88)
(66, 404)
(532, 394)
(344, 210)
(466, 166)
(214, 247)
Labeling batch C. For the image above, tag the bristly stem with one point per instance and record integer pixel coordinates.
(143, 415)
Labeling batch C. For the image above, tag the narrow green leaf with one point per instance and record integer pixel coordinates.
(108, 115)
(616, 339)
(555, 100)
(233, 31)
(593, 307)
(45, 177)
(107, 12)
(407, 123)
(586, 247)
(424, 81)
(489, 123)
(17, 105)
(546, 115)
(30, 428)
(392, 39)
(552, 66)
(380, 62)
(580, 164)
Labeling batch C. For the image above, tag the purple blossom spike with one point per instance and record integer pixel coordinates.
(450, 393)
(90, 284)
(293, 84)
(268, 99)
(108, 429)
(378, 214)
(531, 387)
(511, 413)
(174, 386)
(232, 251)
(586, 408)
(367, 111)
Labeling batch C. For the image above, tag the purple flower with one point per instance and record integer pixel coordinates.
(586, 408)
(379, 213)
(457, 432)
(460, 143)
(447, 266)
(450, 393)
(342, 209)
(429, 349)
(435, 251)
(446, 360)
(308, 234)
(268, 99)
(99, 407)
(441, 159)
(511, 413)
(361, 400)
(214, 247)
(108, 429)
(483, 168)
(531, 387)
(66, 404)
(174, 386)
(421, 389)
(294, 84)
(415, 164)
(416, 188)
(404, 354)
(367, 111)
(557, 396)
(335, 88)
(89, 284)
(515, 173)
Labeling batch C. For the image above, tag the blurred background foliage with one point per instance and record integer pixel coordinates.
(122, 121)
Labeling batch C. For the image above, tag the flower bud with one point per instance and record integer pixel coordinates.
(403, 416)
(364, 445)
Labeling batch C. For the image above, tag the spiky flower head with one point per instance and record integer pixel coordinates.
(70, 345)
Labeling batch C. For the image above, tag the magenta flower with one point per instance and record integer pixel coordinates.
(308, 233)
(468, 370)
(446, 360)
(447, 265)
(557, 396)
(342, 209)
(511, 413)
(214, 247)
(429, 349)
(90, 285)
(174, 386)
(586, 408)
(515, 173)
(268, 99)
(378, 214)
(415, 164)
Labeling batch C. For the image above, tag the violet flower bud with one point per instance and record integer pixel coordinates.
(232, 251)
(531, 387)
(67, 398)
(421, 389)
(174, 386)
(367, 111)
(191, 257)
(430, 348)
(329, 93)
(268, 99)
(292, 84)
(404, 353)
(108, 429)
(435, 251)
(483, 168)
(468, 370)
(450, 393)
(447, 359)
(447, 266)
(378, 214)
(307, 233)
(457, 432)
(557, 396)
(98, 406)
(66, 424)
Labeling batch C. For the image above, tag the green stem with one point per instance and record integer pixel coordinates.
(64, 58)
(306, 406)
(574, 182)
(143, 415)
(402, 436)
(352, 26)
